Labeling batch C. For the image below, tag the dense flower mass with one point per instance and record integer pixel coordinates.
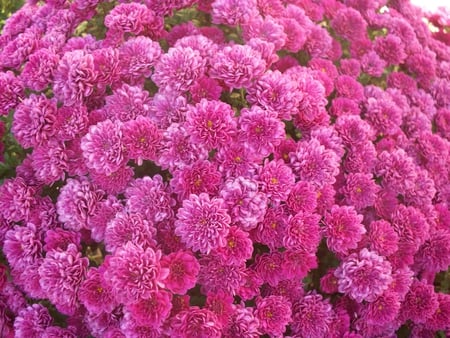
(224, 168)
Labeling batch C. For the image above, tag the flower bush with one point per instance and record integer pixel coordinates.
(221, 168)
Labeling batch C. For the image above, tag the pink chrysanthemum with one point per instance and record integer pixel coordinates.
(17, 199)
(200, 177)
(71, 122)
(314, 163)
(272, 229)
(420, 303)
(298, 263)
(211, 123)
(353, 130)
(77, 202)
(141, 139)
(151, 197)
(246, 204)
(205, 88)
(114, 183)
(360, 190)
(312, 316)
(382, 238)
(441, 317)
(59, 238)
(137, 57)
(152, 311)
(38, 71)
(383, 310)
(134, 273)
(34, 121)
(329, 282)
(242, 323)
(363, 276)
(189, 66)
(75, 77)
(239, 247)
(50, 162)
(273, 313)
(103, 147)
(129, 227)
(434, 253)
(276, 92)
(11, 93)
(233, 13)
(203, 223)
(303, 197)
(95, 293)
(195, 322)
(237, 66)
(104, 212)
(62, 273)
(266, 29)
(303, 232)
(276, 179)
(221, 303)
(343, 229)
(269, 267)
(262, 130)
(32, 321)
(183, 271)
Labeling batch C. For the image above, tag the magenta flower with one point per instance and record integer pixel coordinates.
(312, 316)
(202, 223)
(303, 232)
(269, 267)
(237, 66)
(303, 197)
(32, 321)
(274, 314)
(34, 121)
(75, 77)
(349, 24)
(272, 229)
(343, 229)
(383, 310)
(40, 68)
(152, 311)
(242, 323)
(211, 123)
(11, 93)
(262, 130)
(71, 122)
(239, 247)
(382, 238)
(276, 179)
(189, 66)
(17, 199)
(114, 183)
(129, 227)
(62, 273)
(363, 276)
(233, 13)
(103, 147)
(298, 263)
(151, 197)
(95, 293)
(246, 204)
(50, 162)
(77, 203)
(420, 303)
(360, 190)
(134, 273)
(183, 271)
(195, 322)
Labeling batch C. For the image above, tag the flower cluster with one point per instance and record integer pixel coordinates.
(223, 168)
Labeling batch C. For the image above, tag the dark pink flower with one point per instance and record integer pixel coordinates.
(50, 162)
(151, 197)
(152, 311)
(312, 316)
(239, 247)
(360, 190)
(40, 68)
(363, 276)
(303, 232)
(303, 197)
(75, 77)
(274, 314)
(34, 121)
(434, 255)
(183, 271)
(95, 293)
(349, 24)
(269, 267)
(237, 66)
(134, 273)
(211, 123)
(233, 13)
(221, 303)
(242, 323)
(17, 199)
(266, 29)
(62, 273)
(276, 179)
(382, 238)
(71, 122)
(420, 303)
(298, 263)
(203, 223)
(343, 229)
(383, 310)
(195, 322)
(32, 321)
(103, 147)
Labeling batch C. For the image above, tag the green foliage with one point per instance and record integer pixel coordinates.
(7, 7)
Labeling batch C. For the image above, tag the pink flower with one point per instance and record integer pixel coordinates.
(189, 66)
(349, 24)
(312, 316)
(242, 323)
(420, 303)
(95, 293)
(141, 138)
(239, 247)
(202, 223)
(234, 12)
(17, 199)
(382, 238)
(34, 121)
(272, 228)
(75, 77)
(152, 311)
(195, 322)
(269, 267)
(276, 180)
(32, 321)
(343, 229)
(363, 276)
(183, 271)
(274, 314)
(71, 122)
(151, 197)
(383, 310)
(262, 130)
(211, 123)
(134, 273)
(40, 68)
(50, 162)
(11, 93)
(303, 232)
(360, 190)
(303, 197)
(115, 182)
(221, 303)
(237, 66)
